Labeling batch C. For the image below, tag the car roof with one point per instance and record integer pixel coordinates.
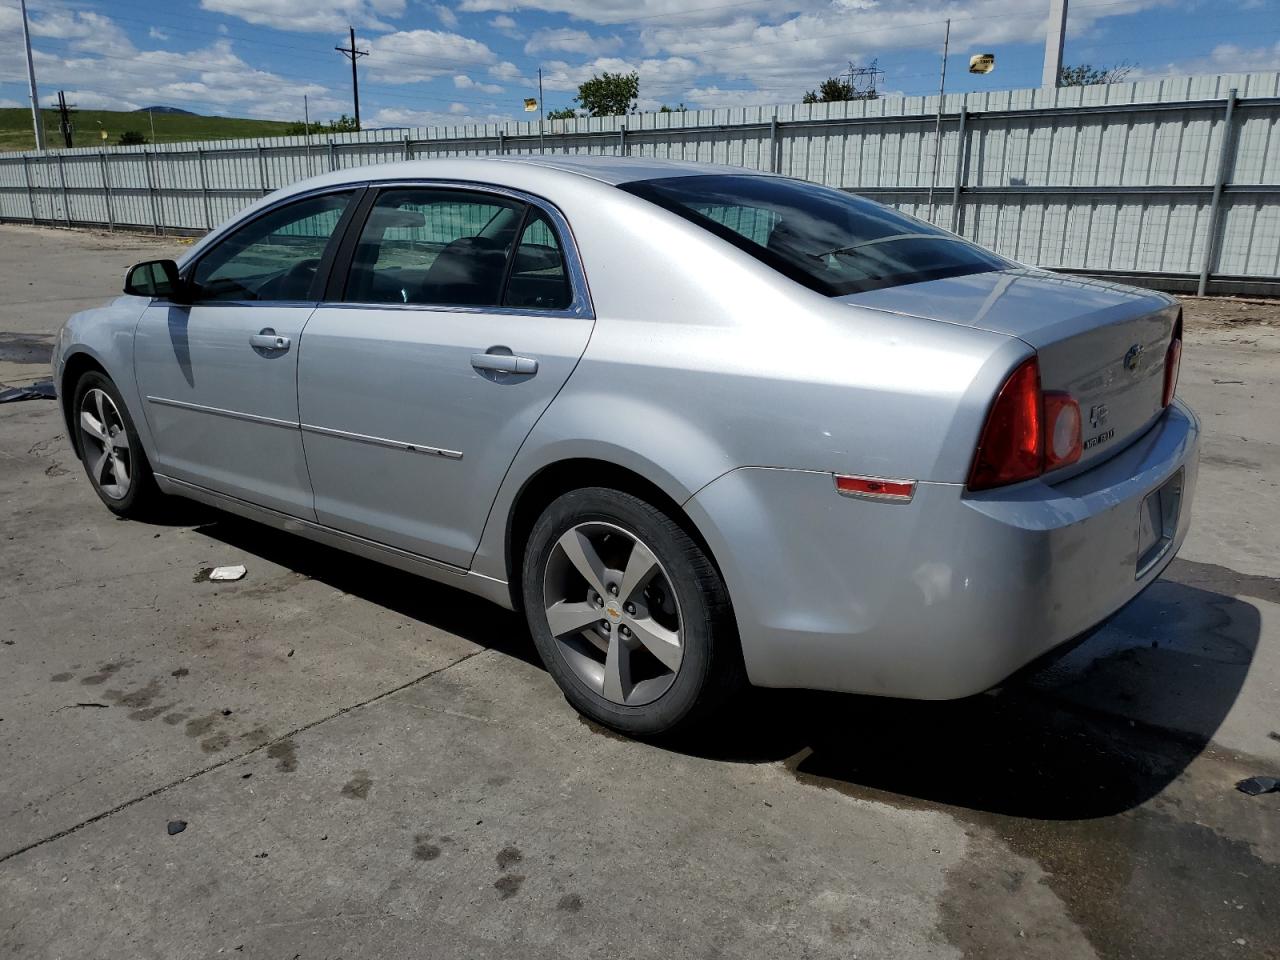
(616, 170)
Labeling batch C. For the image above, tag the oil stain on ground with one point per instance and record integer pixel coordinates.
(358, 787)
(285, 753)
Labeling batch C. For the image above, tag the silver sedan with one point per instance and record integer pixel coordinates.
(702, 426)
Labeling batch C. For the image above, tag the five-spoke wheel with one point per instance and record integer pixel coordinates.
(628, 612)
(109, 447)
(106, 444)
(610, 606)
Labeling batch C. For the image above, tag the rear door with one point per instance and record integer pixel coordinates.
(219, 375)
(463, 313)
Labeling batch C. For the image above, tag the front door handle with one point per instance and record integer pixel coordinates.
(504, 363)
(267, 340)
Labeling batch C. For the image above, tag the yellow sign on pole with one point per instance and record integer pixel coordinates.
(530, 105)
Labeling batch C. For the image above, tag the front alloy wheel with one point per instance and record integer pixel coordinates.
(107, 454)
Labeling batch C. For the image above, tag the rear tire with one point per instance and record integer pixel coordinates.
(108, 445)
(629, 614)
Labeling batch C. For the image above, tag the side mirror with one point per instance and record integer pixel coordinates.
(158, 279)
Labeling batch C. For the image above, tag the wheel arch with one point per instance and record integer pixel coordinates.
(562, 476)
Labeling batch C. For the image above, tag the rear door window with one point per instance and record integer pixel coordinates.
(828, 240)
(434, 246)
(539, 280)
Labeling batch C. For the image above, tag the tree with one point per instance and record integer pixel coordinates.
(836, 89)
(1086, 74)
(609, 94)
(564, 113)
(678, 109)
(344, 124)
(132, 138)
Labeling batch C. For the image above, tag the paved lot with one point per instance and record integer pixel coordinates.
(373, 766)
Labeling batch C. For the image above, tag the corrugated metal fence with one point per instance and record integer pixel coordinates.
(1171, 181)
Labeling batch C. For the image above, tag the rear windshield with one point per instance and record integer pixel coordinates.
(828, 240)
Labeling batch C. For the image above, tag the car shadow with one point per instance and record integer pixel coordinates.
(1099, 732)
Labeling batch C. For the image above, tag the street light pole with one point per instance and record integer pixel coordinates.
(542, 114)
(1055, 34)
(31, 79)
(937, 127)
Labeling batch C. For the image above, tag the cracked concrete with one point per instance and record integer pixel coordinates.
(371, 765)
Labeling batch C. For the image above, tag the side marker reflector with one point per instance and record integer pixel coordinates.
(876, 488)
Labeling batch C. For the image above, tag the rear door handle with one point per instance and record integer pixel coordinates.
(504, 363)
(267, 340)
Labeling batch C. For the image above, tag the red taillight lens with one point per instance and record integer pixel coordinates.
(1063, 438)
(1173, 362)
(1012, 444)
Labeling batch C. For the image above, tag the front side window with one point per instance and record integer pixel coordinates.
(433, 246)
(274, 257)
(828, 240)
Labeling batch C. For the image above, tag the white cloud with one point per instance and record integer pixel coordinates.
(411, 56)
(502, 22)
(10, 104)
(457, 108)
(1224, 58)
(463, 82)
(401, 117)
(446, 15)
(314, 15)
(566, 40)
(507, 72)
(157, 34)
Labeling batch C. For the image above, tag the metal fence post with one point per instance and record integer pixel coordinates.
(106, 189)
(1225, 147)
(956, 187)
(333, 156)
(151, 192)
(775, 144)
(31, 192)
(66, 200)
(622, 139)
(502, 142)
(204, 189)
(408, 150)
(262, 170)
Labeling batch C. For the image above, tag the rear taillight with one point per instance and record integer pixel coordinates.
(1172, 362)
(1012, 444)
(1027, 432)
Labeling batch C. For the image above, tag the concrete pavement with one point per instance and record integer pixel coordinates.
(370, 765)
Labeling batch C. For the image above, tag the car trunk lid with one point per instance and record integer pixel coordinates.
(1103, 343)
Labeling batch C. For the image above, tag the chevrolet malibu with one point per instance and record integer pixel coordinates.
(702, 426)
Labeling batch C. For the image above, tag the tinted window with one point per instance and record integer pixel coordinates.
(538, 276)
(274, 257)
(428, 246)
(830, 241)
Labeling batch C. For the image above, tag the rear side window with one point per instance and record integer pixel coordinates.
(428, 246)
(539, 280)
(830, 241)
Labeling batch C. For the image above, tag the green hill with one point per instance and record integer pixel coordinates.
(16, 133)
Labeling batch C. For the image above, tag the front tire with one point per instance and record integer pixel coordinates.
(110, 450)
(629, 614)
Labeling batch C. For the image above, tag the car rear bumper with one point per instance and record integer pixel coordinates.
(947, 595)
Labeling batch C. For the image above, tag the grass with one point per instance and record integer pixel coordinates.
(16, 132)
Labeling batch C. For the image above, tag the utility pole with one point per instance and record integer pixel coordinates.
(1053, 40)
(937, 127)
(542, 115)
(352, 54)
(64, 119)
(31, 80)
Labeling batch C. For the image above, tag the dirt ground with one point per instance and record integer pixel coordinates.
(368, 765)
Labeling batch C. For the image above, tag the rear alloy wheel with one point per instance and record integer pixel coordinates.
(110, 450)
(629, 614)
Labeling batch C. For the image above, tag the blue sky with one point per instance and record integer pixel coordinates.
(462, 61)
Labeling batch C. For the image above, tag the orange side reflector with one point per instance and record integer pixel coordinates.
(876, 488)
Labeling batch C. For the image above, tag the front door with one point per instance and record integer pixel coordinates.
(460, 322)
(219, 375)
